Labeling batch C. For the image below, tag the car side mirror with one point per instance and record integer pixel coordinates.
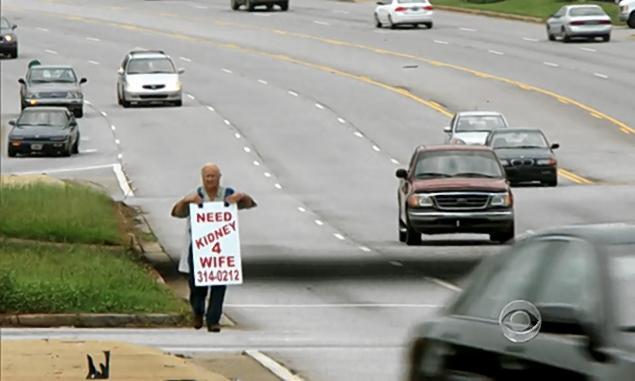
(401, 173)
(83, 80)
(181, 71)
(447, 129)
(21, 81)
(555, 146)
(14, 27)
(12, 122)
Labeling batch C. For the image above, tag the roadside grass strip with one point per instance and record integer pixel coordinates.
(58, 212)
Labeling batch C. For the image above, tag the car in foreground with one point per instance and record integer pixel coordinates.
(575, 288)
(52, 85)
(472, 127)
(573, 21)
(8, 38)
(627, 12)
(526, 155)
(149, 76)
(454, 189)
(251, 5)
(46, 130)
(404, 12)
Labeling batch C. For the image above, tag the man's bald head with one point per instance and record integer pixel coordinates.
(210, 174)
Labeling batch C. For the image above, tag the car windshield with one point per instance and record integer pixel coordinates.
(150, 66)
(44, 75)
(479, 123)
(4, 23)
(458, 164)
(43, 118)
(524, 139)
(587, 11)
(622, 270)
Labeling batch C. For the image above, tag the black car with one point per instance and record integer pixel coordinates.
(52, 85)
(579, 279)
(526, 155)
(8, 39)
(47, 130)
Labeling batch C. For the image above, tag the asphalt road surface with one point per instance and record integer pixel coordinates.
(311, 111)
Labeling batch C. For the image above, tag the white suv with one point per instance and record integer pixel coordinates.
(627, 12)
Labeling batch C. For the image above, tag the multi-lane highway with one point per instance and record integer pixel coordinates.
(311, 111)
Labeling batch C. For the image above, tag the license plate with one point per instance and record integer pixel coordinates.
(36, 146)
(414, 8)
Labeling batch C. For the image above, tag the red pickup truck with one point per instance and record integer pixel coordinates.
(454, 189)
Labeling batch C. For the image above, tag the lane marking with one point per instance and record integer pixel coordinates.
(324, 23)
(530, 39)
(319, 106)
(396, 263)
(364, 248)
(227, 71)
(278, 186)
(552, 64)
(293, 93)
(86, 101)
(375, 148)
(61, 170)
(441, 42)
(496, 52)
(319, 223)
(117, 141)
(589, 50)
(227, 122)
(112, 127)
(185, 59)
(247, 149)
(443, 283)
(338, 305)
(89, 150)
(358, 134)
(574, 177)
(93, 62)
(256, 163)
(210, 108)
(50, 51)
(123, 182)
(468, 29)
(42, 29)
(600, 75)
(394, 161)
(301, 209)
(267, 174)
(197, 6)
(339, 236)
(237, 135)
(341, 12)
(93, 39)
(280, 371)
(120, 156)
(263, 81)
(341, 120)
(103, 113)
(192, 97)
(627, 132)
(596, 116)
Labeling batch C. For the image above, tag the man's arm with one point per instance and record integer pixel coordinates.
(242, 200)
(182, 208)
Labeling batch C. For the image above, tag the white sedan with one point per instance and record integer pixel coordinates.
(400, 12)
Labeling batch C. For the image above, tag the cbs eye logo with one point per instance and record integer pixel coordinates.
(520, 321)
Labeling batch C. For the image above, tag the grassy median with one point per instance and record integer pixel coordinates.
(534, 8)
(62, 251)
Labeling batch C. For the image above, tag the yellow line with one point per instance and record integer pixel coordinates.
(626, 131)
(573, 177)
(600, 117)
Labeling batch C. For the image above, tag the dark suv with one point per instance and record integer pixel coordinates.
(454, 189)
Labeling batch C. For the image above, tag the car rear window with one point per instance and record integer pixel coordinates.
(479, 123)
(458, 163)
(587, 11)
(43, 118)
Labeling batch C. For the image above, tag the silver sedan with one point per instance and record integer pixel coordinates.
(588, 21)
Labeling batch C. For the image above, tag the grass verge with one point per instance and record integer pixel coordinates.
(47, 278)
(533, 8)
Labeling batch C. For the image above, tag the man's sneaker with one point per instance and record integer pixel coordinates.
(213, 327)
(198, 321)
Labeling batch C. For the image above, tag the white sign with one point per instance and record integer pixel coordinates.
(215, 244)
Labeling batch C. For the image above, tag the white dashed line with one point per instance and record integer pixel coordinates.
(496, 52)
(42, 29)
(468, 29)
(396, 263)
(394, 161)
(247, 149)
(600, 75)
(443, 283)
(117, 141)
(271, 365)
(293, 93)
(50, 51)
(227, 71)
(278, 186)
(341, 120)
(199, 6)
(82, 139)
(341, 12)
(121, 179)
(375, 148)
(364, 248)
(192, 97)
(319, 223)
(267, 174)
(441, 42)
(589, 50)
(339, 236)
(210, 108)
(103, 113)
(358, 134)
(301, 209)
(324, 23)
(120, 156)
(185, 59)
(256, 163)
(112, 127)
(263, 81)
(552, 64)
(93, 62)
(93, 39)
(90, 150)
(87, 102)
(237, 135)
(227, 122)
(530, 39)
(319, 106)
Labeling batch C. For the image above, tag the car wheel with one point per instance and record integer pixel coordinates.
(377, 22)
(235, 5)
(631, 20)
(76, 146)
(11, 152)
(429, 25)
(79, 113)
(390, 23)
(413, 237)
(124, 102)
(565, 36)
(250, 7)
(14, 53)
(68, 151)
(270, 7)
(606, 37)
(178, 103)
(503, 236)
(551, 182)
(402, 231)
(284, 5)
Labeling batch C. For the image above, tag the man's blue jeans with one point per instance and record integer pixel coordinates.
(199, 294)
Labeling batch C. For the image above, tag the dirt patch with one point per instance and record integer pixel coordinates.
(13, 180)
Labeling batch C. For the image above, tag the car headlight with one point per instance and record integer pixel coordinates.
(550, 161)
(8, 37)
(501, 199)
(178, 86)
(420, 200)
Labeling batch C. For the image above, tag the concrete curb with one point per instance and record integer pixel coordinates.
(501, 15)
(82, 320)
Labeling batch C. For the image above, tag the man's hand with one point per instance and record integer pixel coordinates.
(194, 198)
(234, 198)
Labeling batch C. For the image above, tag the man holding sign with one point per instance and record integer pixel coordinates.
(213, 259)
